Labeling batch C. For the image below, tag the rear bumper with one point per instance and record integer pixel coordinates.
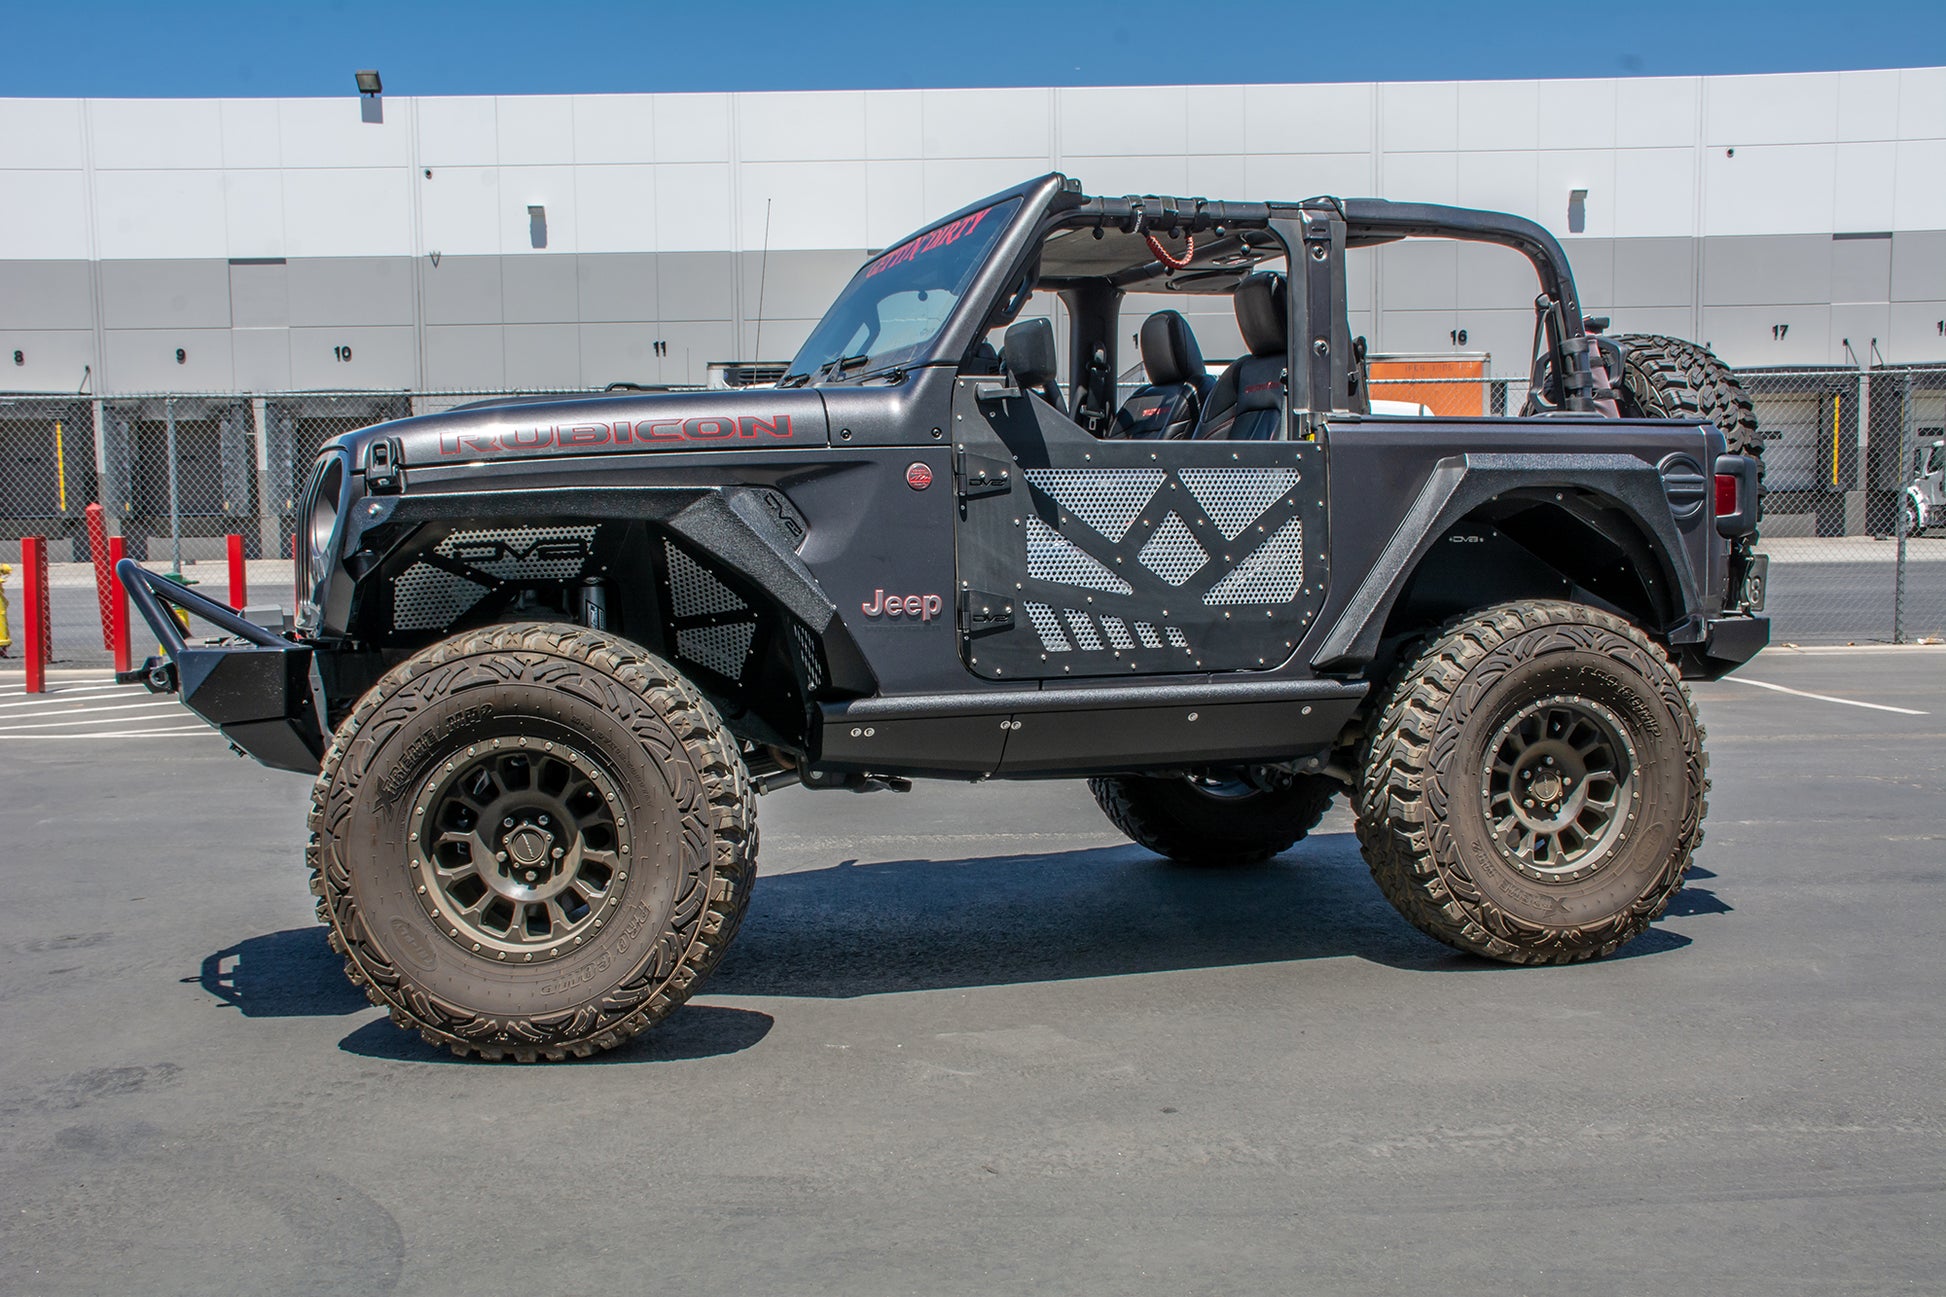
(255, 689)
(1729, 643)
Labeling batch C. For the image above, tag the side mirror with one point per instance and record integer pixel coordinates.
(1027, 352)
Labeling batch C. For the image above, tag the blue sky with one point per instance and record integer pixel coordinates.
(100, 48)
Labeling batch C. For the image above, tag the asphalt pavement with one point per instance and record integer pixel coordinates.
(971, 1041)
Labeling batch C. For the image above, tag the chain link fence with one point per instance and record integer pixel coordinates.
(1854, 463)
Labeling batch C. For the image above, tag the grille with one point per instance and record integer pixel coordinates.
(1176, 638)
(1147, 634)
(1272, 574)
(1048, 626)
(1107, 499)
(1117, 631)
(1052, 557)
(1172, 553)
(1236, 497)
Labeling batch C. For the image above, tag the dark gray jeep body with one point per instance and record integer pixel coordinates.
(547, 651)
(777, 543)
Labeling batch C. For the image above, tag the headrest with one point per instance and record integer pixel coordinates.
(1027, 350)
(1262, 311)
(1169, 351)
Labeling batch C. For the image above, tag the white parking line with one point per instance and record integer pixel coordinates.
(50, 700)
(11, 728)
(90, 711)
(1823, 698)
(117, 734)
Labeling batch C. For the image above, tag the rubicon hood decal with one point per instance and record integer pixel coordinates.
(747, 419)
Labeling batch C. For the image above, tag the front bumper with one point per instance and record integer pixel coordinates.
(256, 688)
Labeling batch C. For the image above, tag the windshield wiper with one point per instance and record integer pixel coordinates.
(793, 380)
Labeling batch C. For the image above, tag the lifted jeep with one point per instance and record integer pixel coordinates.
(548, 651)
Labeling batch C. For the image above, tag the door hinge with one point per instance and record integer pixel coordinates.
(982, 612)
(978, 475)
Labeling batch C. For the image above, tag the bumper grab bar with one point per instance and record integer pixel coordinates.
(148, 591)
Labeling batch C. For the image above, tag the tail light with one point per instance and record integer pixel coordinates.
(1736, 495)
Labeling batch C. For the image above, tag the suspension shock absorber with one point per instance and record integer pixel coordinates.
(594, 603)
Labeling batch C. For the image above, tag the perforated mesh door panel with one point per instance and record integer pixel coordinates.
(1048, 627)
(1236, 497)
(1172, 553)
(1082, 627)
(1107, 499)
(1050, 558)
(1274, 573)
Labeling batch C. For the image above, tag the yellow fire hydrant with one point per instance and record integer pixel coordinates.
(6, 637)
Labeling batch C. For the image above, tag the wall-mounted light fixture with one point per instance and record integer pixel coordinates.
(1577, 211)
(371, 96)
(537, 225)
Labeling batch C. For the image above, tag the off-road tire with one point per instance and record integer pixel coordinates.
(1668, 378)
(1423, 797)
(1174, 817)
(643, 754)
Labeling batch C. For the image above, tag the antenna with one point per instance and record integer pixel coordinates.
(763, 265)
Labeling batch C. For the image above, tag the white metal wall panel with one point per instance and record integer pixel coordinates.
(41, 134)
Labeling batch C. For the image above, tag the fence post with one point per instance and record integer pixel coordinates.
(35, 648)
(239, 578)
(1905, 472)
(175, 497)
(117, 606)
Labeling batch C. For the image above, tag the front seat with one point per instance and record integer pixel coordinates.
(1247, 403)
(1179, 383)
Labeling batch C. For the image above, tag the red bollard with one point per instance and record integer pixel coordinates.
(104, 579)
(239, 582)
(35, 648)
(117, 607)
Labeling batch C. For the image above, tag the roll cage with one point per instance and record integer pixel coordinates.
(1325, 372)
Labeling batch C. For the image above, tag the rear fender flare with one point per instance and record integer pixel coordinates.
(1460, 484)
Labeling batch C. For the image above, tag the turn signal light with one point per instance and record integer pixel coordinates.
(1726, 494)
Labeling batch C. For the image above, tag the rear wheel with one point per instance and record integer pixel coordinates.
(1535, 785)
(531, 841)
(1218, 818)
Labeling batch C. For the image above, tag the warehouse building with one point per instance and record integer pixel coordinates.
(396, 246)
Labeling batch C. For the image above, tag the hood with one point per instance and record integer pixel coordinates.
(625, 423)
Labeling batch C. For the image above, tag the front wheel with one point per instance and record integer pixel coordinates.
(1535, 785)
(1217, 818)
(531, 841)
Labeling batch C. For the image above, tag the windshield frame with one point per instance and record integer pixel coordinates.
(950, 340)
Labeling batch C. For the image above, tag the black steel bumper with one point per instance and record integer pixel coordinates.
(1730, 642)
(256, 692)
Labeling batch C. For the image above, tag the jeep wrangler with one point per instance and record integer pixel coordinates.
(547, 651)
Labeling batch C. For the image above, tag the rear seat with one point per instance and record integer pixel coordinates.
(1179, 383)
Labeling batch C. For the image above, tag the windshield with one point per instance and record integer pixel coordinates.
(898, 302)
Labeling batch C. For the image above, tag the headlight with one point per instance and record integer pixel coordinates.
(317, 524)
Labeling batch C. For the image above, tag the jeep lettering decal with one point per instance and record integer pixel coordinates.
(696, 430)
(919, 607)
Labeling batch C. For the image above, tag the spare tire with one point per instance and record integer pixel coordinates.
(1667, 378)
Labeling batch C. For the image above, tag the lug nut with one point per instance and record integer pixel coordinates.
(508, 822)
(543, 819)
(499, 855)
(558, 853)
(531, 875)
